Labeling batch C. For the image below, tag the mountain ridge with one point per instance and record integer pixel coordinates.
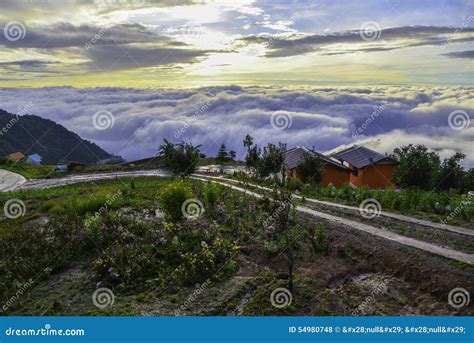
(31, 134)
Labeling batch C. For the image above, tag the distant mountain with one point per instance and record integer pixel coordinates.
(31, 134)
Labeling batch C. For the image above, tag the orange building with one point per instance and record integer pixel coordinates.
(334, 172)
(368, 168)
(357, 166)
(16, 156)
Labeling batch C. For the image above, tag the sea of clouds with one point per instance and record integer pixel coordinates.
(380, 117)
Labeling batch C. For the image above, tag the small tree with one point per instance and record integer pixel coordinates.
(451, 173)
(181, 158)
(417, 168)
(272, 160)
(284, 231)
(253, 152)
(468, 180)
(310, 169)
(222, 154)
(232, 155)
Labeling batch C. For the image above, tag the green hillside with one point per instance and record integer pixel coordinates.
(55, 141)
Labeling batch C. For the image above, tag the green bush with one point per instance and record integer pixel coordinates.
(172, 198)
(319, 240)
(294, 185)
(211, 194)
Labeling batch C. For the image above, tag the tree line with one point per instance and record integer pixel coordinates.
(418, 167)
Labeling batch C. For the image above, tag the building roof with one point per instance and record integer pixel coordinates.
(295, 156)
(360, 156)
(16, 156)
(35, 157)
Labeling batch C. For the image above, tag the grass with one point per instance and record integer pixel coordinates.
(152, 265)
(28, 170)
(434, 206)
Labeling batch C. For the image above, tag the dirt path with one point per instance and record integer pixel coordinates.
(390, 215)
(400, 239)
(72, 179)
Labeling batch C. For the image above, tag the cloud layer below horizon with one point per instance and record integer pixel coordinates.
(380, 117)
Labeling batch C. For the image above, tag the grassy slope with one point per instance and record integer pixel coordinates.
(28, 170)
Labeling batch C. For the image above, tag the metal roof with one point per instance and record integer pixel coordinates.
(295, 156)
(360, 156)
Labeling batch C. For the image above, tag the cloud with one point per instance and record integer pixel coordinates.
(389, 39)
(461, 54)
(118, 47)
(325, 117)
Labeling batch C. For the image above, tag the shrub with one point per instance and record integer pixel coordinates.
(211, 194)
(294, 185)
(172, 198)
(319, 240)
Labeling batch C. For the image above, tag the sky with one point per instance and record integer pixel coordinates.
(315, 73)
(189, 43)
